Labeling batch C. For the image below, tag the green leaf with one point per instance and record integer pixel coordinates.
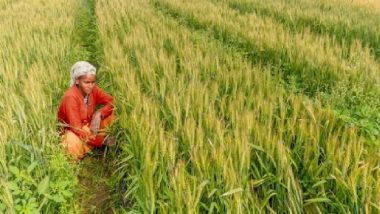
(12, 186)
(14, 170)
(58, 198)
(43, 185)
(2, 207)
(268, 196)
(31, 167)
(67, 193)
(18, 207)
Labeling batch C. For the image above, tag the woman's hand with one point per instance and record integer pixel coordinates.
(89, 134)
(95, 122)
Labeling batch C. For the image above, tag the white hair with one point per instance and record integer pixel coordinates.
(81, 68)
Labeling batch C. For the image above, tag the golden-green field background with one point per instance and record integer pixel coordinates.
(223, 106)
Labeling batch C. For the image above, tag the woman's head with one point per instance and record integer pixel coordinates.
(83, 74)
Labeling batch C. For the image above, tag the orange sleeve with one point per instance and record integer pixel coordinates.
(105, 99)
(72, 109)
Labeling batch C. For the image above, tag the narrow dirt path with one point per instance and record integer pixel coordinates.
(95, 196)
(95, 169)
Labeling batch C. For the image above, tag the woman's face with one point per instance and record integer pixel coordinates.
(86, 83)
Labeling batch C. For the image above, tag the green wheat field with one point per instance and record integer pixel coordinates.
(223, 106)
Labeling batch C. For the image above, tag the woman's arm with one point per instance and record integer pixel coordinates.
(72, 110)
(102, 98)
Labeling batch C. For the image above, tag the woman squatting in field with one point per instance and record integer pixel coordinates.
(83, 128)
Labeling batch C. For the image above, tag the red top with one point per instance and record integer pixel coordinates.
(76, 114)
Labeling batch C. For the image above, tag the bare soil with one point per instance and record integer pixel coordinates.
(95, 196)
